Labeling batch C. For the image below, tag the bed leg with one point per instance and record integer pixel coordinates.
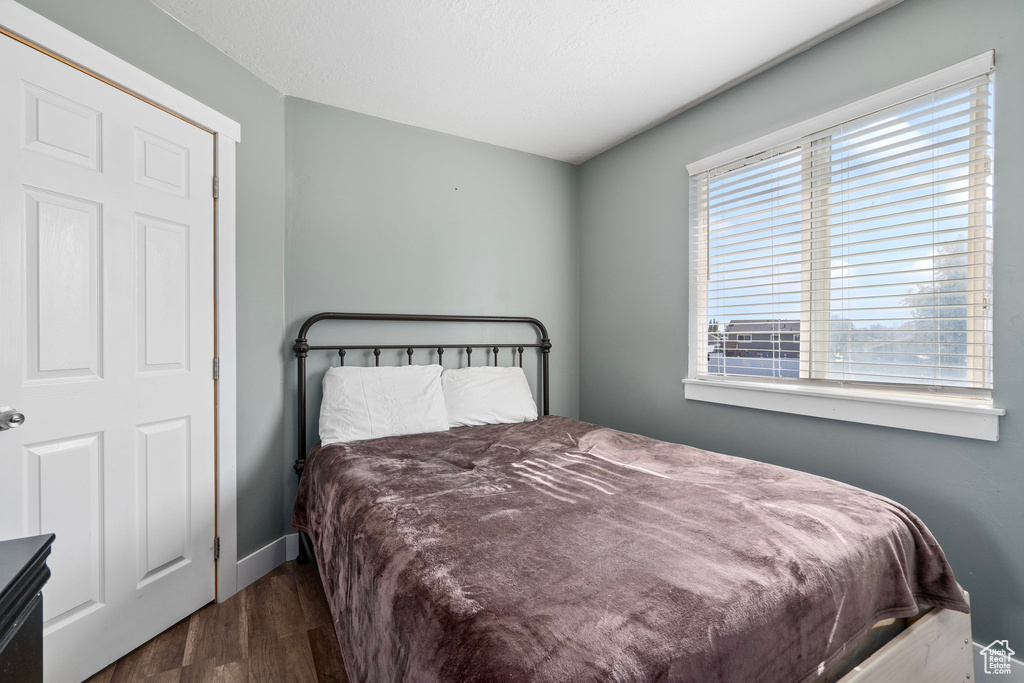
(303, 557)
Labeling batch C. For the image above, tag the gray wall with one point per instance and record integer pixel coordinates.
(143, 35)
(634, 294)
(384, 217)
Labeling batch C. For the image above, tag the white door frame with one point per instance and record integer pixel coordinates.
(54, 38)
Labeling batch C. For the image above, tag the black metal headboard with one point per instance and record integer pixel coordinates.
(302, 349)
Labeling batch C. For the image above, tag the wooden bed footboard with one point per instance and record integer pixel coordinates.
(934, 649)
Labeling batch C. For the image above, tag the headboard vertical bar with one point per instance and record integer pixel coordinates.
(301, 349)
(495, 350)
(469, 356)
(409, 351)
(341, 354)
(376, 357)
(545, 348)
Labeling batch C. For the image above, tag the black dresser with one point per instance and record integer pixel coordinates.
(23, 572)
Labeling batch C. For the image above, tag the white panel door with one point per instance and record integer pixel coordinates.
(106, 347)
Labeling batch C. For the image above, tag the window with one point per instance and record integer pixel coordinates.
(744, 337)
(867, 242)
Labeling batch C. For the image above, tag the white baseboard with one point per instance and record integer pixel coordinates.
(267, 559)
(1016, 674)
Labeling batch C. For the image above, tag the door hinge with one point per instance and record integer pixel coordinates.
(216, 548)
(216, 187)
(216, 368)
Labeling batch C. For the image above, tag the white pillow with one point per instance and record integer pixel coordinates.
(487, 395)
(369, 403)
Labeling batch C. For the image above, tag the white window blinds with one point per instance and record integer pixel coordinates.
(859, 254)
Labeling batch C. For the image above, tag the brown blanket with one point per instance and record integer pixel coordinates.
(562, 551)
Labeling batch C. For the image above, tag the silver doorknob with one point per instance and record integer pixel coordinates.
(10, 418)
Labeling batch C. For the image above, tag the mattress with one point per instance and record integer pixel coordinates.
(562, 551)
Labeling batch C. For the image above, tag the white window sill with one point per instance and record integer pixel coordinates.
(971, 419)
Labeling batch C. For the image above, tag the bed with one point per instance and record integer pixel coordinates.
(556, 550)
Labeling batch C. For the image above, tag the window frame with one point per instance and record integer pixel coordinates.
(969, 415)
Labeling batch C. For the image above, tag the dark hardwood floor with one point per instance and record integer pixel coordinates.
(277, 629)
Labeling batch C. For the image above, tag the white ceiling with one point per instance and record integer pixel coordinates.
(565, 79)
